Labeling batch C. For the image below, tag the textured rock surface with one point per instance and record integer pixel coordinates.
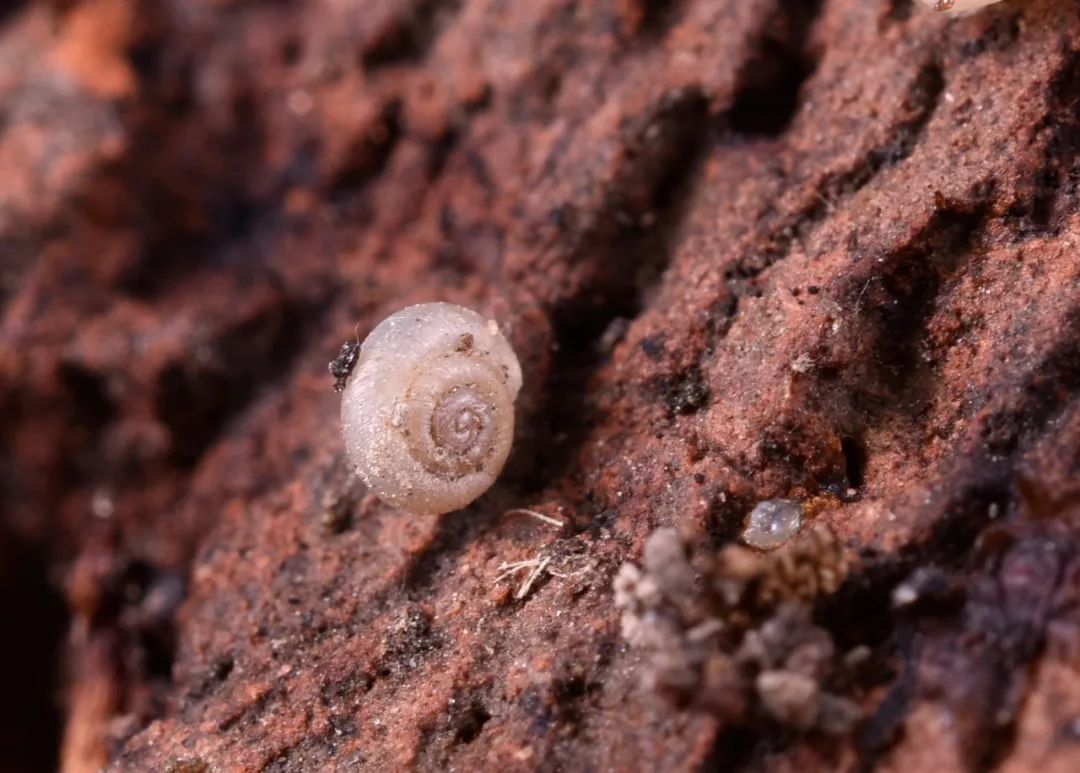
(824, 250)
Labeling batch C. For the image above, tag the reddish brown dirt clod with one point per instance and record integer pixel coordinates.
(820, 250)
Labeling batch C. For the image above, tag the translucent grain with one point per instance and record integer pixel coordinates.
(772, 523)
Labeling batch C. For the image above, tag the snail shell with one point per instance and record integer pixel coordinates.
(427, 412)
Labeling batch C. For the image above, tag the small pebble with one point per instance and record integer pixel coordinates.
(772, 523)
(794, 699)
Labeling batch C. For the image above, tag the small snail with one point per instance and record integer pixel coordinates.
(427, 406)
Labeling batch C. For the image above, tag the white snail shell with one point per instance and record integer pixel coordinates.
(427, 412)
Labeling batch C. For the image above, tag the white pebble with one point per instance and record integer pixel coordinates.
(772, 523)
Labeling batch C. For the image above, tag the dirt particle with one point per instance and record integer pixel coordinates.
(653, 346)
(792, 698)
(343, 364)
(685, 394)
(732, 633)
(187, 765)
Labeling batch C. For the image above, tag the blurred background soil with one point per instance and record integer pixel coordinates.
(827, 250)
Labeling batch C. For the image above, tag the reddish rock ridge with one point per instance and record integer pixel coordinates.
(826, 250)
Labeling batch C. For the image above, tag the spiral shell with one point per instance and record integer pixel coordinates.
(427, 412)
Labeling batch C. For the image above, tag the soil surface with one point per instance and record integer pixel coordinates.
(823, 250)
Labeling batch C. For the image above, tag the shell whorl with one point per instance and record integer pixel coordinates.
(428, 411)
